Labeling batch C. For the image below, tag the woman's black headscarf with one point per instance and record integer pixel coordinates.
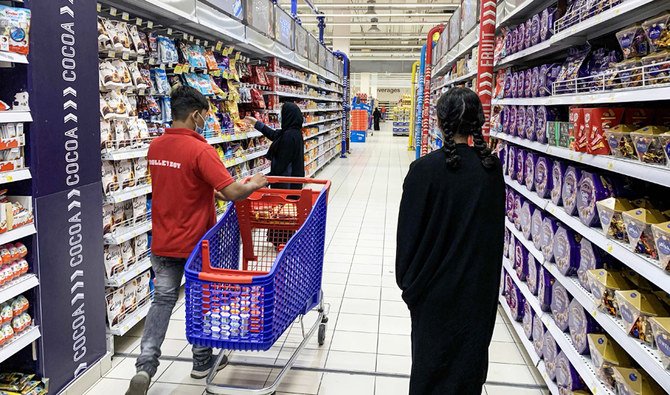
(291, 117)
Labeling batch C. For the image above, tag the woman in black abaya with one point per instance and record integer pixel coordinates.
(376, 118)
(450, 244)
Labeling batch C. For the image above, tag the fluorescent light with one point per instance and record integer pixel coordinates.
(368, 23)
(359, 46)
(384, 5)
(398, 36)
(384, 15)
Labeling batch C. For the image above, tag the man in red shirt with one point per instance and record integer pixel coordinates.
(186, 174)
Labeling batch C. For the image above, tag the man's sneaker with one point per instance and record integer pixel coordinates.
(200, 372)
(139, 385)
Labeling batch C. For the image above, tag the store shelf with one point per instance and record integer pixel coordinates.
(131, 320)
(642, 265)
(127, 194)
(18, 286)
(524, 11)
(456, 80)
(322, 121)
(19, 342)
(467, 43)
(15, 116)
(123, 155)
(537, 254)
(129, 233)
(624, 14)
(640, 94)
(122, 278)
(15, 175)
(323, 153)
(656, 174)
(322, 132)
(18, 233)
(235, 137)
(298, 80)
(335, 154)
(299, 96)
(10, 57)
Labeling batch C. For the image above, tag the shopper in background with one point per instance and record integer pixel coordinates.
(450, 239)
(186, 174)
(376, 118)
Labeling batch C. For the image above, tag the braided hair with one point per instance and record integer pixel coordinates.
(459, 111)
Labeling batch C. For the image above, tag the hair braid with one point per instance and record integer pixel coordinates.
(483, 150)
(449, 148)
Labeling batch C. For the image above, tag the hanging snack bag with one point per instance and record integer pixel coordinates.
(120, 37)
(115, 310)
(104, 38)
(113, 260)
(139, 46)
(127, 253)
(109, 179)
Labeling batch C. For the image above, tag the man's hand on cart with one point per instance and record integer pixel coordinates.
(238, 191)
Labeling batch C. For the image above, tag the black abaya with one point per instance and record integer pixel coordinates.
(448, 264)
(376, 118)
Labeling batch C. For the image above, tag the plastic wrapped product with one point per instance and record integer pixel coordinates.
(547, 77)
(635, 382)
(633, 42)
(590, 258)
(547, 23)
(505, 119)
(512, 120)
(566, 250)
(638, 224)
(592, 188)
(581, 325)
(527, 321)
(549, 227)
(529, 170)
(661, 330)
(535, 81)
(636, 308)
(657, 69)
(560, 305)
(518, 203)
(661, 234)
(538, 337)
(507, 91)
(611, 212)
(550, 352)
(648, 144)
(521, 121)
(544, 290)
(520, 85)
(567, 377)
(527, 83)
(620, 142)
(509, 206)
(603, 285)
(533, 274)
(520, 164)
(528, 26)
(515, 85)
(536, 228)
(570, 189)
(529, 127)
(544, 181)
(543, 115)
(628, 73)
(558, 170)
(520, 39)
(606, 354)
(657, 30)
(527, 211)
(508, 235)
(511, 161)
(535, 22)
(521, 260)
(516, 302)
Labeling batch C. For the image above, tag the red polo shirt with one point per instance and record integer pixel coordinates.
(185, 171)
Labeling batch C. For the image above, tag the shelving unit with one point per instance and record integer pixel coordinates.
(19, 342)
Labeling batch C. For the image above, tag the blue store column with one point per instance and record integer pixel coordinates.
(65, 162)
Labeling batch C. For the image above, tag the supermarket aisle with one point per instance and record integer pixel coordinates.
(367, 348)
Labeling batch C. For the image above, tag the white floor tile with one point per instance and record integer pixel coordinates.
(360, 306)
(395, 364)
(357, 323)
(351, 361)
(504, 390)
(394, 309)
(126, 369)
(339, 384)
(107, 386)
(395, 344)
(362, 292)
(359, 268)
(364, 280)
(505, 353)
(391, 386)
(395, 325)
(298, 382)
(354, 341)
(175, 389)
(506, 373)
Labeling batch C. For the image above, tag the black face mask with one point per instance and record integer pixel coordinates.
(291, 117)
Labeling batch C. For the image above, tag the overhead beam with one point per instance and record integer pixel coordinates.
(379, 23)
(412, 6)
(379, 15)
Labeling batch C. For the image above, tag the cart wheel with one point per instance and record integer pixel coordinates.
(322, 334)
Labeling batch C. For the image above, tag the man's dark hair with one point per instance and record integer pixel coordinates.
(185, 100)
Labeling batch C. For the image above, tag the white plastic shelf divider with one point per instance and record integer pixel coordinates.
(639, 94)
(15, 116)
(642, 265)
(15, 175)
(19, 342)
(127, 194)
(130, 233)
(122, 278)
(530, 298)
(18, 233)
(633, 168)
(10, 57)
(18, 286)
(123, 155)
(133, 319)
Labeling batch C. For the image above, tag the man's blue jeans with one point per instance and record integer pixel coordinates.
(169, 272)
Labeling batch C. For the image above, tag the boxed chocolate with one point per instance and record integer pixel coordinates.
(521, 121)
(560, 305)
(577, 128)
(544, 181)
(558, 170)
(633, 41)
(538, 336)
(549, 227)
(570, 189)
(581, 325)
(527, 321)
(610, 212)
(640, 117)
(638, 224)
(566, 250)
(520, 164)
(511, 161)
(648, 144)
(567, 377)
(516, 302)
(592, 189)
(634, 382)
(530, 124)
(518, 203)
(657, 69)
(606, 354)
(603, 285)
(661, 234)
(520, 260)
(527, 211)
(590, 258)
(620, 142)
(636, 308)
(532, 278)
(536, 228)
(596, 121)
(657, 30)
(510, 204)
(550, 352)
(661, 330)
(544, 290)
(529, 169)
(665, 143)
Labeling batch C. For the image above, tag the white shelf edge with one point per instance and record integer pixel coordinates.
(315, 98)
(639, 94)
(324, 164)
(322, 132)
(18, 233)
(298, 80)
(15, 116)
(19, 342)
(322, 121)
(121, 279)
(18, 286)
(11, 57)
(131, 233)
(129, 323)
(537, 254)
(323, 153)
(240, 137)
(123, 155)
(456, 80)
(7, 177)
(122, 196)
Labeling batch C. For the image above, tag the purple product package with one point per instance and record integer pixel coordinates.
(527, 211)
(511, 126)
(527, 322)
(538, 337)
(508, 234)
(590, 258)
(518, 203)
(502, 156)
(549, 227)
(547, 23)
(544, 289)
(508, 84)
(558, 170)
(566, 250)
(520, 85)
(510, 204)
(543, 115)
(550, 353)
(544, 181)
(529, 168)
(534, 81)
(527, 82)
(570, 189)
(520, 121)
(520, 260)
(521, 34)
(520, 164)
(581, 324)
(514, 92)
(560, 305)
(511, 161)
(533, 274)
(535, 29)
(528, 27)
(592, 188)
(567, 378)
(516, 302)
(504, 116)
(530, 123)
(514, 35)
(547, 77)
(536, 228)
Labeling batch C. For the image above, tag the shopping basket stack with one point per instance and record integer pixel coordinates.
(248, 303)
(359, 125)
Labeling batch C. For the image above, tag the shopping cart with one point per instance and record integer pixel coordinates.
(247, 304)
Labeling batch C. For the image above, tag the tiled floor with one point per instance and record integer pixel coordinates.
(367, 348)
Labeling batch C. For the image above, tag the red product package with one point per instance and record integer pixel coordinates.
(257, 98)
(596, 121)
(577, 135)
(499, 91)
(259, 74)
(639, 117)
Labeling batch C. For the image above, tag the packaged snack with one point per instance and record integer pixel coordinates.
(560, 305)
(520, 84)
(139, 207)
(130, 297)
(661, 331)
(607, 354)
(636, 308)
(125, 173)
(139, 46)
(549, 227)
(628, 73)
(620, 141)
(507, 90)
(536, 228)
(161, 82)
(518, 203)
(530, 132)
(527, 320)
(547, 77)
(543, 115)
(572, 69)
(109, 76)
(499, 91)
(581, 325)
(547, 23)
(14, 29)
(648, 144)
(120, 37)
(596, 121)
(535, 81)
(520, 121)
(610, 212)
(109, 179)
(567, 377)
(638, 224)
(576, 129)
(113, 260)
(538, 337)
(128, 254)
(532, 278)
(115, 308)
(512, 121)
(516, 301)
(590, 258)
(509, 206)
(520, 260)
(511, 162)
(633, 42)
(104, 40)
(550, 352)
(544, 290)
(529, 170)
(544, 180)
(514, 86)
(137, 78)
(661, 234)
(603, 285)
(520, 163)
(527, 81)
(141, 169)
(657, 30)
(566, 250)
(657, 68)
(167, 50)
(634, 381)
(592, 188)
(520, 38)
(570, 189)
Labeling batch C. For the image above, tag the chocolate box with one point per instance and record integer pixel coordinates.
(607, 354)
(538, 337)
(527, 321)
(657, 30)
(529, 170)
(638, 224)
(661, 330)
(632, 381)
(544, 291)
(603, 285)
(566, 250)
(536, 228)
(508, 234)
(610, 212)
(570, 189)
(530, 124)
(661, 234)
(544, 181)
(549, 227)
(581, 325)
(592, 189)
(509, 206)
(521, 121)
(516, 302)
(590, 258)
(577, 129)
(520, 260)
(518, 203)
(511, 161)
(560, 305)
(527, 211)
(567, 377)
(558, 170)
(649, 146)
(596, 121)
(636, 308)
(550, 352)
(532, 279)
(665, 143)
(620, 141)
(520, 165)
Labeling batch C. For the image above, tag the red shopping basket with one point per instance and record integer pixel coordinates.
(246, 304)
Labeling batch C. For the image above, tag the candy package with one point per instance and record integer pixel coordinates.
(628, 74)
(538, 337)
(527, 320)
(160, 81)
(657, 68)
(104, 38)
(657, 30)
(620, 141)
(603, 285)
(543, 177)
(546, 78)
(572, 68)
(592, 189)
(607, 354)
(560, 306)
(520, 260)
(545, 286)
(529, 172)
(661, 234)
(638, 224)
(167, 51)
(634, 381)
(566, 250)
(550, 353)
(610, 212)
(661, 331)
(581, 325)
(139, 45)
(648, 144)
(547, 23)
(558, 170)
(499, 91)
(633, 42)
(590, 258)
(532, 279)
(119, 35)
(570, 189)
(636, 308)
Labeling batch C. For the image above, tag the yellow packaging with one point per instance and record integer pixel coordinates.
(606, 354)
(636, 308)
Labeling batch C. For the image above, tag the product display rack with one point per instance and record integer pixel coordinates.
(593, 91)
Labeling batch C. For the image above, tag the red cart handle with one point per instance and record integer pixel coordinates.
(217, 275)
(291, 180)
